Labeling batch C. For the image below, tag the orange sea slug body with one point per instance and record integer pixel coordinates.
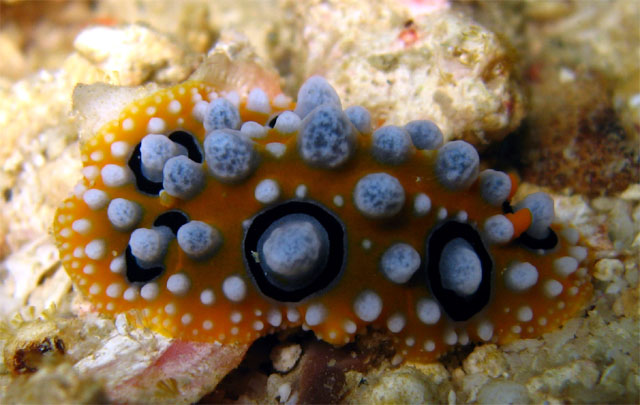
(223, 218)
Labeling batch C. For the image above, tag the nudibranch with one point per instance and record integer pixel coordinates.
(223, 217)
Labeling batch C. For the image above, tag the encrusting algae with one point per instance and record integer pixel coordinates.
(226, 215)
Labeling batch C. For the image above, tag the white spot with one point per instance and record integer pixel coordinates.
(564, 266)
(442, 214)
(287, 123)
(520, 276)
(429, 345)
(234, 288)
(552, 288)
(109, 137)
(235, 330)
(89, 269)
(274, 317)
(97, 156)
(117, 265)
(396, 322)
(78, 252)
(178, 284)
(114, 290)
(396, 360)
(82, 226)
(95, 289)
(115, 176)
(267, 191)
(65, 233)
(207, 297)
(127, 124)
(110, 306)
(79, 190)
(316, 314)
(120, 149)
(366, 244)
(349, 326)
(95, 199)
(96, 249)
(156, 125)
(130, 294)
(525, 314)
(277, 149)
(233, 97)
(258, 101)
(150, 291)
(338, 200)
(573, 291)
(199, 110)
(542, 321)
(463, 338)
(516, 329)
(428, 311)
(252, 129)
(174, 107)
(281, 101)
(90, 172)
(207, 325)
(301, 191)
(257, 312)
(258, 325)
(410, 341)
(367, 306)
(571, 235)
(450, 337)
(561, 305)
(485, 330)
(462, 216)
(293, 315)
(186, 319)
(235, 317)
(578, 252)
(170, 308)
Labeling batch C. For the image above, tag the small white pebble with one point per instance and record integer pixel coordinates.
(258, 101)
(564, 266)
(95, 289)
(450, 337)
(186, 319)
(429, 345)
(428, 311)
(338, 200)
(421, 204)
(293, 315)
(89, 269)
(117, 265)
(287, 123)
(349, 326)
(90, 172)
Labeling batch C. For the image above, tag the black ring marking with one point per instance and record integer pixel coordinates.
(189, 142)
(458, 308)
(173, 219)
(272, 121)
(529, 242)
(334, 263)
(548, 243)
(144, 184)
(137, 274)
